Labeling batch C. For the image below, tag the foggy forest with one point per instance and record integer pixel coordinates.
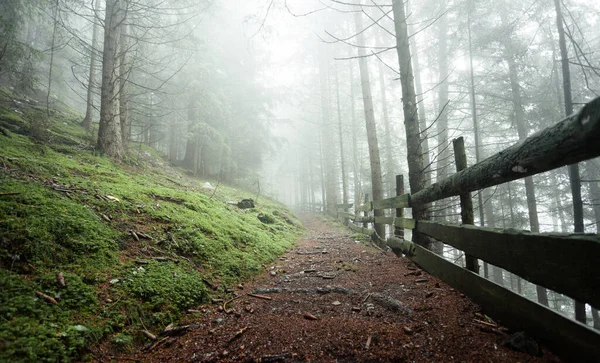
(299, 180)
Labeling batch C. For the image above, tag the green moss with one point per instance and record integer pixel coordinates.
(56, 221)
(33, 330)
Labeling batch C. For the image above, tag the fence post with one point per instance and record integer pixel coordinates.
(399, 232)
(366, 213)
(466, 202)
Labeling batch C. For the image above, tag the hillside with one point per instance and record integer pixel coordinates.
(137, 243)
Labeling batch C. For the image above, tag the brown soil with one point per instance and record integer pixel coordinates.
(360, 304)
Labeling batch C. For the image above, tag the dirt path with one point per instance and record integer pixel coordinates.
(333, 299)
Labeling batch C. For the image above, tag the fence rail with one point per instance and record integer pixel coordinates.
(565, 263)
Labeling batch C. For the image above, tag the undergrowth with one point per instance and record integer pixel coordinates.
(64, 209)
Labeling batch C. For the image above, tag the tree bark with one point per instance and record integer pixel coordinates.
(375, 161)
(123, 82)
(420, 101)
(109, 131)
(89, 111)
(411, 118)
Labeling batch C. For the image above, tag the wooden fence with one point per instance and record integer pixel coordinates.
(565, 263)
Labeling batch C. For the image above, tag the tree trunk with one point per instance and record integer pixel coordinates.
(474, 111)
(375, 161)
(327, 132)
(519, 114)
(109, 131)
(355, 163)
(89, 111)
(420, 101)
(390, 165)
(411, 118)
(190, 144)
(342, 155)
(573, 169)
(123, 81)
(443, 150)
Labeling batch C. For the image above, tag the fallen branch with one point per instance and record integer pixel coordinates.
(311, 252)
(368, 344)
(10, 193)
(238, 334)
(492, 325)
(135, 236)
(229, 301)
(149, 335)
(260, 296)
(48, 299)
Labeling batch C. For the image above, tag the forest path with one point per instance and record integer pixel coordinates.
(331, 298)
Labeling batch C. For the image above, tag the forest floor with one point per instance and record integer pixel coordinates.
(333, 298)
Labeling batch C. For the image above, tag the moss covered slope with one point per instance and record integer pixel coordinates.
(137, 243)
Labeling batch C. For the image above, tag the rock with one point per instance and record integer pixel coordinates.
(207, 185)
(246, 204)
(336, 303)
(522, 342)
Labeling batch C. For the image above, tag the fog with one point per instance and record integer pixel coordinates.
(269, 95)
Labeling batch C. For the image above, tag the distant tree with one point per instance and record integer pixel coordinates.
(411, 118)
(374, 158)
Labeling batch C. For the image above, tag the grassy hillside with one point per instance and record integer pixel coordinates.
(137, 242)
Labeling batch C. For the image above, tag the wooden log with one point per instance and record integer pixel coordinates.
(384, 220)
(400, 246)
(563, 263)
(570, 141)
(398, 227)
(400, 201)
(466, 202)
(406, 223)
(569, 339)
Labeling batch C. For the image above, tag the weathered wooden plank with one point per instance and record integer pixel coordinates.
(343, 206)
(368, 206)
(400, 201)
(569, 339)
(401, 246)
(572, 140)
(564, 263)
(384, 220)
(371, 219)
(405, 223)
